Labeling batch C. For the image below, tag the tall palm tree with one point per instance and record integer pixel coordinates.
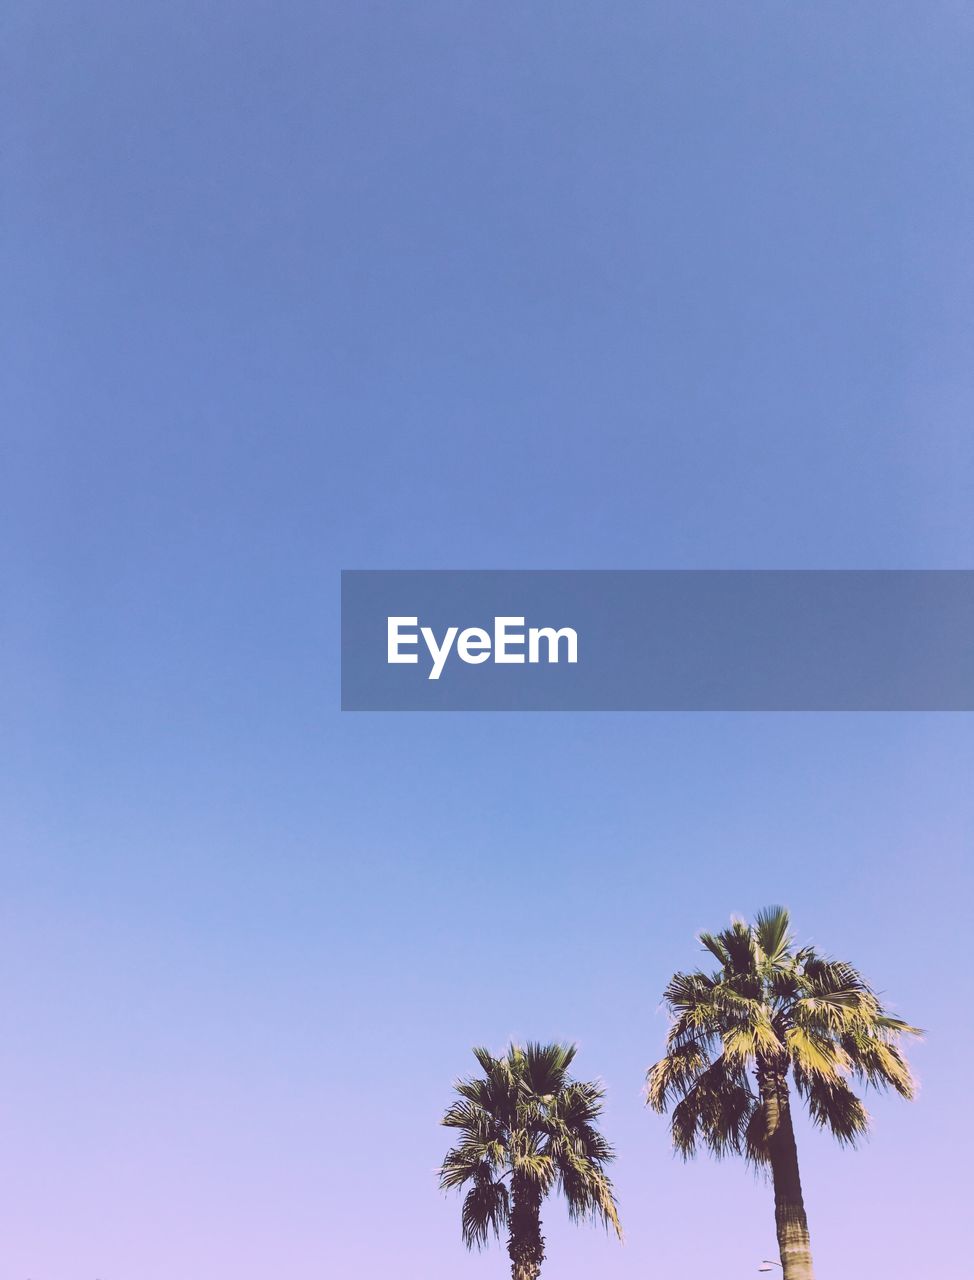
(773, 1011)
(527, 1128)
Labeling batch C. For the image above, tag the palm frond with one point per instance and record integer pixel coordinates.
(544, 1067)
(738, 942)
(485, 1212)
(816, 1054)
(772, 933)
(486, 1059)
(674, 1074)
(875, 1059)
(588, 1192)
(887, 1022)
(686, 991)
(715, 1110)
(755, 1142)
(715, 946)
(833, 1106)
(746, 1042)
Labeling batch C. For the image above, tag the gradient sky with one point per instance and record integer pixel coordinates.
(296, 287)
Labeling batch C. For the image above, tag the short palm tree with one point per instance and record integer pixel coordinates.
(771, 1012)
(526, 1128)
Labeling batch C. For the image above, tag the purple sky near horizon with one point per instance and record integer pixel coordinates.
(297, 288)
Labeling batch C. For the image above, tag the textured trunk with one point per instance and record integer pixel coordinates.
(525, 1244)
(794, 1245)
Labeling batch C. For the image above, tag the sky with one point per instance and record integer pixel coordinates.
(294, 288)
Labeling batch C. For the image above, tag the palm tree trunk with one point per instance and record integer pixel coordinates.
(794, 1244)
(525, 1244)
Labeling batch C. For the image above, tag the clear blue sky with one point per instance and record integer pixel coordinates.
(298, 287)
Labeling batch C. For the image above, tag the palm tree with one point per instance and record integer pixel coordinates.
(769, 1012)
(527, 1128)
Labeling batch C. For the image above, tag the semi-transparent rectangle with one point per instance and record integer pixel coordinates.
(673, 640)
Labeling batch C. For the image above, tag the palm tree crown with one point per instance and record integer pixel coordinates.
(526, 1128)
(772, 1006)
